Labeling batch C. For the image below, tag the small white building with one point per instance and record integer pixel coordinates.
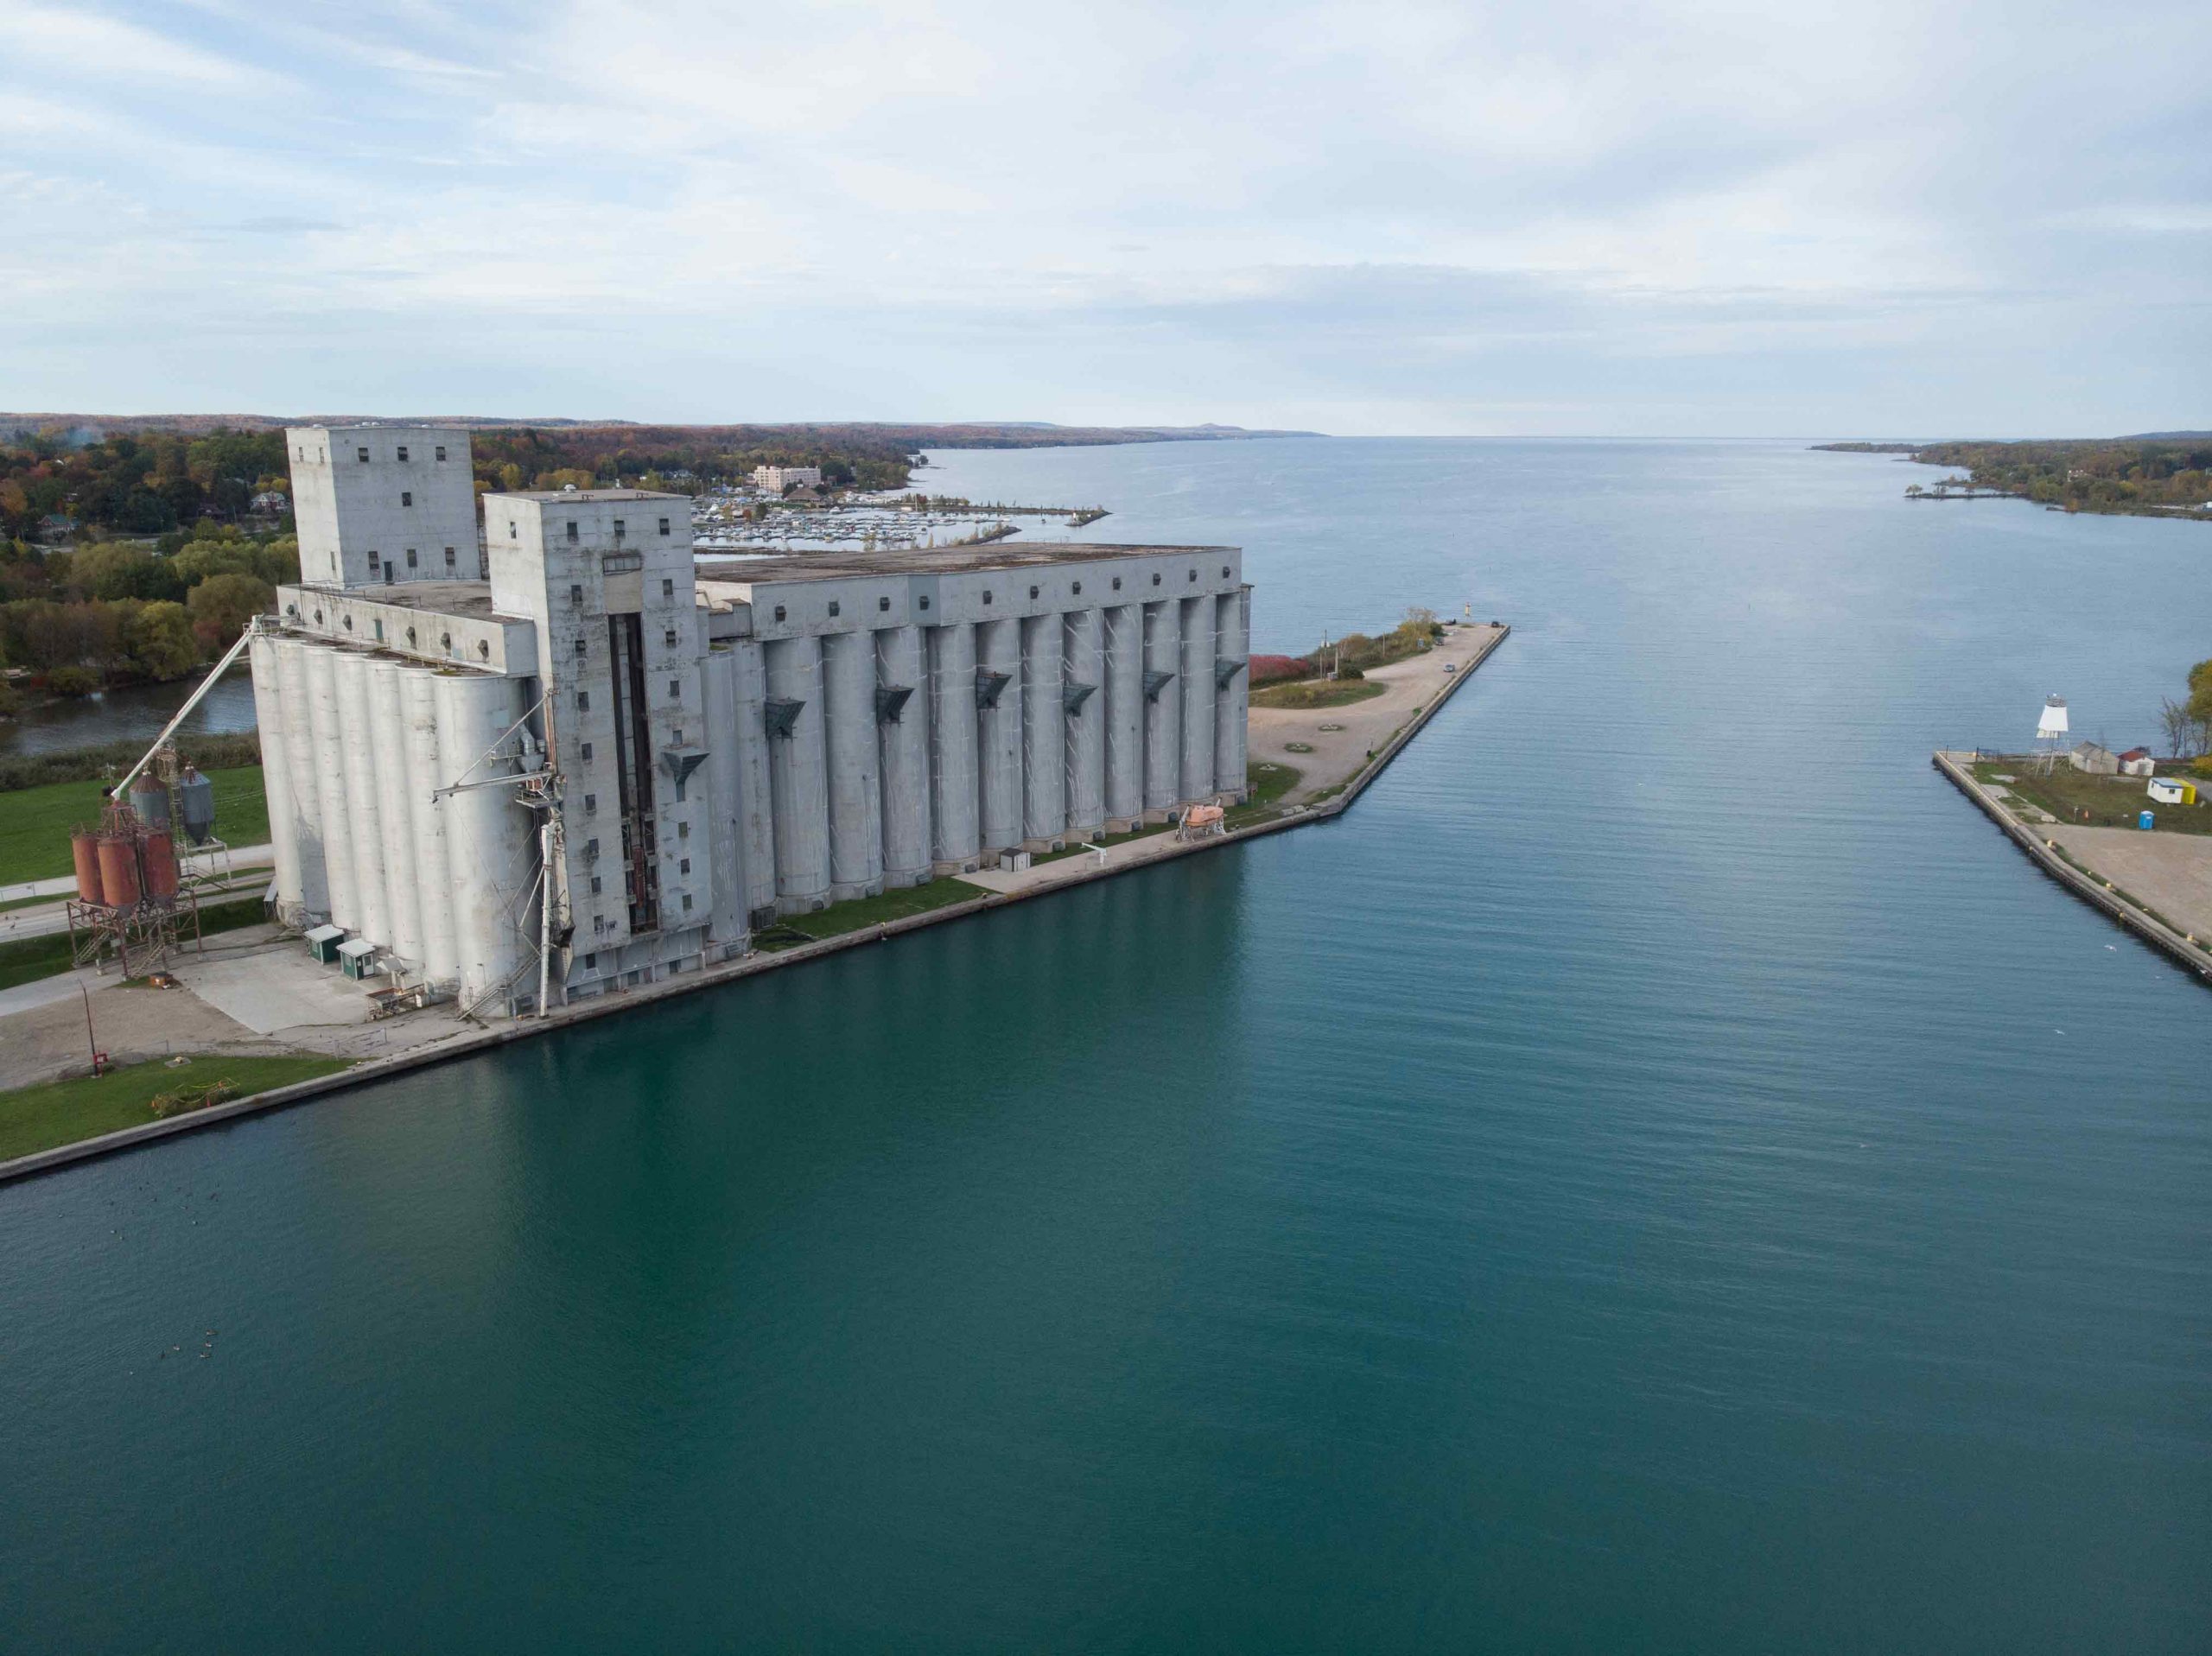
(2138, 762)
(2173, 790)
(774, 479)
(2097, 760)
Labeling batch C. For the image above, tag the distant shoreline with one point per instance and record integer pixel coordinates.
(2160, 474)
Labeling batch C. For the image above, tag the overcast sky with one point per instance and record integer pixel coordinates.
(1696, 217)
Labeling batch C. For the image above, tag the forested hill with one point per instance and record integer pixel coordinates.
(2163, 473)
(150, 474)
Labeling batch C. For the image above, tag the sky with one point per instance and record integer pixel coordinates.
(1741, 217)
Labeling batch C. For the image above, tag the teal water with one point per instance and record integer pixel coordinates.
(1660, 1173)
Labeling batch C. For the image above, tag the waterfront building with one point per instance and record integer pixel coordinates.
(678, 760)
(378, 505)
(774, 479)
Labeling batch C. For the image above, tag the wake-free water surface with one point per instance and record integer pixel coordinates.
(1661, 1172)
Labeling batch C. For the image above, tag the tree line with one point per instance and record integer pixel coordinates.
(83, 616)
(147, 483)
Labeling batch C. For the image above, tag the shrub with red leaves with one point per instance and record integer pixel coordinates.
(1268, 669)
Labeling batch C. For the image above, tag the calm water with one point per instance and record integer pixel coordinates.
(136, 712)
(1660, 1173)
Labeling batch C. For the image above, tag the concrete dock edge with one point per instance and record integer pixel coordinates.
(61, 1156)
(2186, 950)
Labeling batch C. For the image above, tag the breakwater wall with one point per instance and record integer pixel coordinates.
(2189, 951)
(615, 1003)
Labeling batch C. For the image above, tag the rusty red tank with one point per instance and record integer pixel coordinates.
(157, 857)
(84, 850)
(119, 870)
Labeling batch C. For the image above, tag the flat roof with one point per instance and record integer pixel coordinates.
(587, 494)
(443, 597)
(931, 561)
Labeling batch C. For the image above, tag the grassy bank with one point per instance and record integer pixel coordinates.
(62, 1111)
(2076, 797)
(35, 822)
(1309, 693)
(30, 958)
(1268, 782)
(864, 911)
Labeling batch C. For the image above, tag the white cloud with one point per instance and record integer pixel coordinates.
(1046, 209)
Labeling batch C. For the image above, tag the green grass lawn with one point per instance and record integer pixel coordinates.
(62, 1111)
(863, 911)
(2111, 802)
(41, 957)
(1268, 782)
(1309, 693)
(35, 822)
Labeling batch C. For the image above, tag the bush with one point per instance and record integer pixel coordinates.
(2203, 766)
(184, 1100)
(73, 681)
(96, 763)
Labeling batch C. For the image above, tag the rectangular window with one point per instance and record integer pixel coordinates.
(410, 557)
(683, 830)
(513, 534)
(687, 903)
(587, 753)
(583, 699)
(664, 526)
(406, 497)
(670, 638)
(590, 961)
(580, 646)
(364, 456)
(441, 451)
(591, 851)
(598, 925)
(373, 561)
(403, 454)
(594, 885)
(617, 529)
(668, 589)
(621, 563)
(572, 529)
(591, 802)
(576, 593)
(684, 867)
(449, 557)
(675, 688)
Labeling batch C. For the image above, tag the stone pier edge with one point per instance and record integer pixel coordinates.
(2187, 950)
(605, 1005)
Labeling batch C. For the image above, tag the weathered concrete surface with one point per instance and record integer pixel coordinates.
(1408, 686)
(48, 1041)
(407, 1050)
(2041, 840)
(2172, 873)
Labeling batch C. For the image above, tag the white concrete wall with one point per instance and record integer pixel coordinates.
(1085, 645)
(1233, 708)
(756, 799)
(856, 781)
(427, 817)
(328, 749)
(1043, 731)
(1163, 707)
(1125, 713)
(954, 783)
(402, 498)
(998, 745)
(1197, 684)
(388, 739)
(305, 771)
(276, 774)
(797, 767)
(901, 662)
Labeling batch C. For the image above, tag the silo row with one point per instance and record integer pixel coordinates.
(864, 759)
(354, 746)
